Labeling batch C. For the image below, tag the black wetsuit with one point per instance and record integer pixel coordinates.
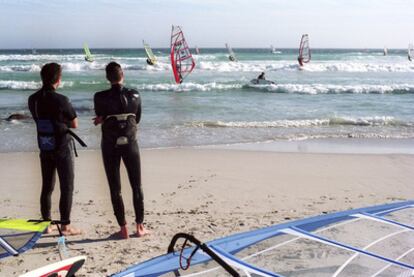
(47, 104)
(115, 101)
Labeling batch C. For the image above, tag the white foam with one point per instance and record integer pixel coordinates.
(303, 123)
(188, 87)
(40, 57)
(329, 88)
(24, 85)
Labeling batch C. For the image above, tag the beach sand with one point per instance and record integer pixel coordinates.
(208, 192)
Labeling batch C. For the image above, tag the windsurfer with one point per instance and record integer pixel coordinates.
(54, 115)
(300, 61)
(261, 76)
(149, 62)
(118, 109)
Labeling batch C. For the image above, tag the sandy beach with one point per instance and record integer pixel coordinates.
(208, 192)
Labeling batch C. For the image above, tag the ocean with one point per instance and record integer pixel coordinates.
(341, 94)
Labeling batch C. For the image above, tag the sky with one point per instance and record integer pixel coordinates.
(206, 23)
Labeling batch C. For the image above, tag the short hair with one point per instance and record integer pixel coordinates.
(51, 73)
(114, 72)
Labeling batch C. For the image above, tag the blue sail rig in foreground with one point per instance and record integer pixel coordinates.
(373, 241)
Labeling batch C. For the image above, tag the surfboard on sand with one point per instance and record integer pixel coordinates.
(65, 268)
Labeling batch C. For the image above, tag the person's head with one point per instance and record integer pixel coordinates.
(51, 74)
(114, 73)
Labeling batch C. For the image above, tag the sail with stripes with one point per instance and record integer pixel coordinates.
(232, 56)
(304, 50)
(373, 241)
(182, 61)
(88, 54)
(151, 58)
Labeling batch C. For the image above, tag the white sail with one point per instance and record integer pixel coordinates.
(411, 52)
(385, 51)
(232, 56)
(304, 50)
(151, 58)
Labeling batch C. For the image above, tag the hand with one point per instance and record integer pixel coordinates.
(97, 120)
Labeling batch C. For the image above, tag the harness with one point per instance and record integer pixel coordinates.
(124, 127)
(48, 134)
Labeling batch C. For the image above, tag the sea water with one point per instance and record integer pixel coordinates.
(340, 94)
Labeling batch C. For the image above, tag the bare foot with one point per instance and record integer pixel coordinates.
(121, 234)
(67, 230)
(141, 231)
(50, 229)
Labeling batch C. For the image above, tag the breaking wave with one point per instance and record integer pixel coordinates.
(303, 123)
(27, 85)
(185, 87)
(335, 89)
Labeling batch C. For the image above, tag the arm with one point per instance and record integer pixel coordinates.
(139, 110)
(74, 123)
(70, 114)
(99, 119)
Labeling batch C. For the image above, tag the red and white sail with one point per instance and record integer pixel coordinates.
(182, 61)
(304, 49)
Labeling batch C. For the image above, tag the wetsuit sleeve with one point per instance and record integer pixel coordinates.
(138, 113)
(99, 111)
(30, 105)
(69, 112)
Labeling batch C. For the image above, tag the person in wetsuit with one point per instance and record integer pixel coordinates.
(261, 76)
(54, 115)
(149, 62)
(118, 109)
(300, 61)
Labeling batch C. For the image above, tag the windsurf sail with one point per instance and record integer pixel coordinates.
(385, 52)
(411, 52)
(304, 50)
(232, 56)
(88, 55)
(19, 235)
(272, 49)
(197, 50)
(373, 241)
(182, 61)
(151, 58)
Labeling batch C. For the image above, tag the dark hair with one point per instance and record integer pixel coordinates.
(114, 72)
(51, 73)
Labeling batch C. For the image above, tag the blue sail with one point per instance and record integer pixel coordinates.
(360, 242)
